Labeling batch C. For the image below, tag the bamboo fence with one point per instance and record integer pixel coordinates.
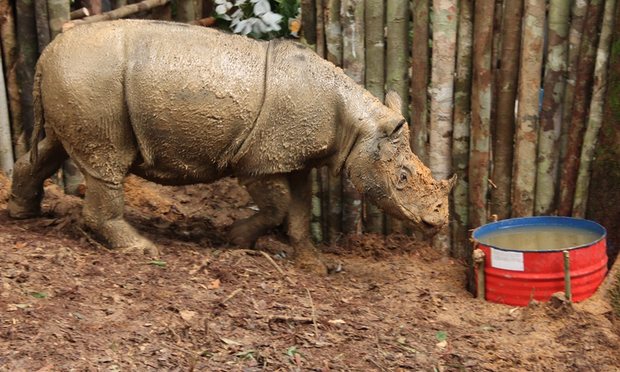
(509, 95)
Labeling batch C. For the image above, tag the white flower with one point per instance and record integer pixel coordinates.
(245, 26)
(272, 20)
(222, 7)
(261, 7)
(240, 2)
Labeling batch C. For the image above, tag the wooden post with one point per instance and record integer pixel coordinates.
(526, 136)
(118, 13)
(506, 95)
(567, 285)
(27, 41)
(352, 13)
(480, 112)
(460, 136)
(420, 67)
(43, 24)
(375, 83)
(6, 147)
(10, 57)
(79, 13)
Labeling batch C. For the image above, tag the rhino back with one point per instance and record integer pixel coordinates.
(185, 96)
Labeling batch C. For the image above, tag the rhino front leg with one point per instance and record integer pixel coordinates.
(272, 196)
(103, 214)
(299, 214)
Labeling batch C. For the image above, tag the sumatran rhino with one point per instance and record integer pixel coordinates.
(179, 104)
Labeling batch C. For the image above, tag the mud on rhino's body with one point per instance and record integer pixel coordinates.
(179, 104)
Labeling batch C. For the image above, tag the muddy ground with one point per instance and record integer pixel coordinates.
(67, 303)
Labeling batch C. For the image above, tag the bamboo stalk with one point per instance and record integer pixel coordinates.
(353, 63)
(526, 136)
(480, 113)
(504, 127)
(182, 12)
(43, 25)
(442, 95)
(27, 41)
(460, 136)
(375, 83)
(396, 67)
(333, 43)
(308, 21)
(10, 57)
(579, 11)
(582, 94)
(595, 117)
(6, 147)
(79, 13)
(420, 67)
(551, 115)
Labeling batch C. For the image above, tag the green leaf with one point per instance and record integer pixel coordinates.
(291, 351)
(248, 354)
(38, 295)
(158, 263)
(441, 336)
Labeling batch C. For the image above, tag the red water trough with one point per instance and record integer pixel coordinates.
(516, 276)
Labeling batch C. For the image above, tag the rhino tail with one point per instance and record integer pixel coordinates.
(39, 120)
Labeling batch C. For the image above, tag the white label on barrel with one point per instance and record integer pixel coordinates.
(507, 260)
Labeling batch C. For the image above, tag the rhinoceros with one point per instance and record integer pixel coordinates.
(179, 104)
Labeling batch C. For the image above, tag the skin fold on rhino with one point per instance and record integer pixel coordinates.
(179, 104)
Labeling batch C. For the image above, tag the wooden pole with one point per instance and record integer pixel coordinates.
(308, 21)
(551, 115)
(6, 147)
(595, 117)
(480, 112)
(568, 293)
(396, 67)
(10, 57)
(28, 50)
(460, 136)
(93, 6)
(333, 43)
(353, 63)
(526, 136)
(375, 83)
(43, 25)
(582, 94)
(504, 126)
(420, 68)
(79, 13)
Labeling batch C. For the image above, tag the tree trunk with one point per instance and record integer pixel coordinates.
(333, 43)
(583, 92)
(375, 83)
(6, 147)
(396, 66)
(442, 96)
(579, 11)
(526, 136)
(352, 13)
(551, 115)
(320, 28)
(43, 24)
(420, 72)
(308, 21)
(480, 113)
(596, 110)
(604, 199)
(503, 138)
(10, 57)
(27, 42)
(460, 136)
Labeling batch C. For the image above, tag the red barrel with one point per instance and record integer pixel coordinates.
(515, 277)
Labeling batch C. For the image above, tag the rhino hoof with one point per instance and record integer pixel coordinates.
(145, 248)
(22, 209)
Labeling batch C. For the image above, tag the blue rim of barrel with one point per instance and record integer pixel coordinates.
(578, 223)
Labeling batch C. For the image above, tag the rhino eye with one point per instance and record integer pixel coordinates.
(403, 178)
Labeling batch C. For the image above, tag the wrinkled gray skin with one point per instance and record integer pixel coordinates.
(178, 104)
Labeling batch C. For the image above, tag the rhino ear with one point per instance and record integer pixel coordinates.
(393, 101)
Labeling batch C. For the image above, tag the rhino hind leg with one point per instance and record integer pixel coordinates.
(272, 196)
(28, 178)
(103, 214)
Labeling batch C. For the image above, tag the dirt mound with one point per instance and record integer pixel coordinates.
(67, 303)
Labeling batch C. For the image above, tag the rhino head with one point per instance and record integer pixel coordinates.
(383, 167)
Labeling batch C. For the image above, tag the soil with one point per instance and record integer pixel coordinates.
(67, 303)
